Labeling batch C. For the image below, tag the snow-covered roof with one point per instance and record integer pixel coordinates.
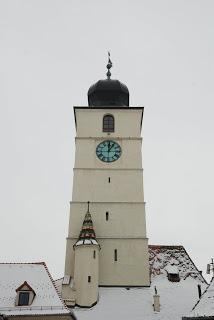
(205, 305)
(86, 241)
(137, 303)
(176, 298)
(163, 258)
(172, 270)
(47, 300)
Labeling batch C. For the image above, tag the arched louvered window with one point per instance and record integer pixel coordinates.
(108, 123)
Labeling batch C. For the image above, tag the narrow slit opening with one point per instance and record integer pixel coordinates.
(115, 254)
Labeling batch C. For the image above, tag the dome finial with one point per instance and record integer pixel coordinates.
(109, 66)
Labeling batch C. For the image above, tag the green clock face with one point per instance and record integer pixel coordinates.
(108, 151)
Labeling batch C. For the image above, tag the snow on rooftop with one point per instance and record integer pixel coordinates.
(172, 269)
(86, 241)
(205, 305)
(46, 301)
(176, 298)
(163, 258)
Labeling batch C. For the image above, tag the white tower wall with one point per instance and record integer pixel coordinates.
(121, 196)
(86, 274)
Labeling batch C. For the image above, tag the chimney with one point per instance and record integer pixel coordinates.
(199, 291)
(208, 268)
(156, 304)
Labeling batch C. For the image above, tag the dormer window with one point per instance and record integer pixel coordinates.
(23, 298)
(25, 295)
(108, 123)
(173, 274)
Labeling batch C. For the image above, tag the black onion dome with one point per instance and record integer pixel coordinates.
(105, 93)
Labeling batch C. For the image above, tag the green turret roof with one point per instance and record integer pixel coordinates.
(87, 234)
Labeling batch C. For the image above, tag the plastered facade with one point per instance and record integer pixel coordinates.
(116, 188)
(86, 281)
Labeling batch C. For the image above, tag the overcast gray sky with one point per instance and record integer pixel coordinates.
(51, 51)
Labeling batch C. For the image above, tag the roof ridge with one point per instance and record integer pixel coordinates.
(195, 266)
(203, 294)
(180, 247)
(38, 263)
(55, 287)
(165, 246)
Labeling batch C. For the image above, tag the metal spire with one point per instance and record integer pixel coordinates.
(109, 66)
(88, 207)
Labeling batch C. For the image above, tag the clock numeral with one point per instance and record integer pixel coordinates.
(108, 151)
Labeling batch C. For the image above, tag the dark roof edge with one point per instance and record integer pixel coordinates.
(37, 263)
(159, 246)
(36, 315)
(195, 266)
(203, 293)
(108, 107)
(198, 318)
(54, 285)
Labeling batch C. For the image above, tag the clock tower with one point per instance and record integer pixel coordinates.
(107, 243)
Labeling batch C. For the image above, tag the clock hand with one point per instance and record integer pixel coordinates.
(111, 146)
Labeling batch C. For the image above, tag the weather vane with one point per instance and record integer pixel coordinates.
(109, 66)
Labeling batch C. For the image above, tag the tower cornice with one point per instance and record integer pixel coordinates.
(107, 202)
(108, 137)
(109, 169)
(112, 238)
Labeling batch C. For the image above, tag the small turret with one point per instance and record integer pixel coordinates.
(86, 266)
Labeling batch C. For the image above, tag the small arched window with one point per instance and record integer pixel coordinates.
(108, 123)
